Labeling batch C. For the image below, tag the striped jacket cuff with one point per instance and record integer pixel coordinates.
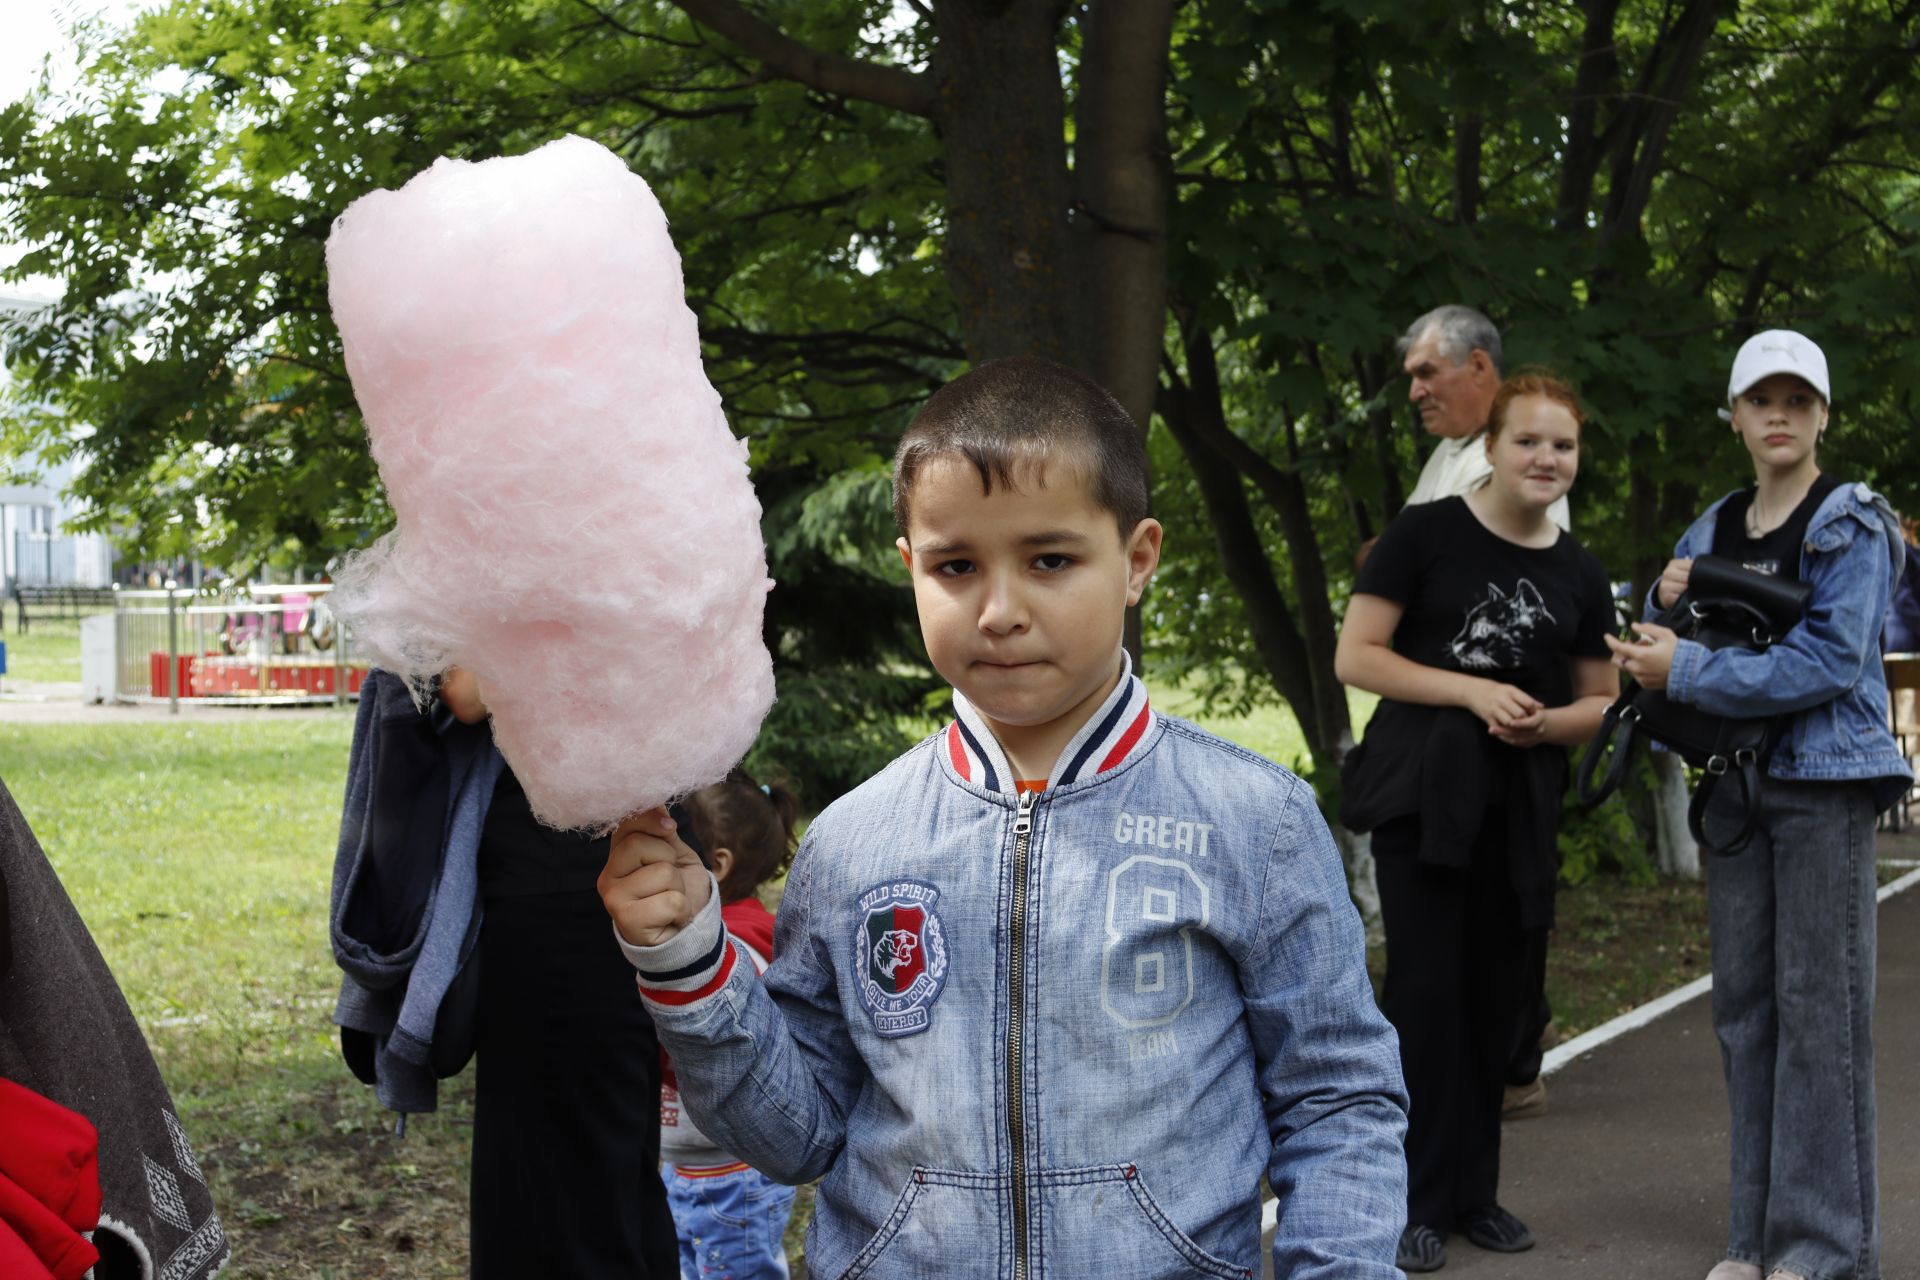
(692, 964)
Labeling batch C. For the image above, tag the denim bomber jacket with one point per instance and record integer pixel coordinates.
(1057, 1035)
(1825, 672)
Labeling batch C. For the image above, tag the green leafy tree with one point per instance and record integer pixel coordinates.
(1225, 211)
(1629, 189)
(193, 357)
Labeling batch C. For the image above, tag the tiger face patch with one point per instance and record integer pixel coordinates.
(900, 955)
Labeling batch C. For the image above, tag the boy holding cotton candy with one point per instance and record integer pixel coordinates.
(1059, 985)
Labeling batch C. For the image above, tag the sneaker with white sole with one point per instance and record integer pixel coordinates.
(1731, 1270)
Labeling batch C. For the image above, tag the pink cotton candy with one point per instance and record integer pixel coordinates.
(574, 521)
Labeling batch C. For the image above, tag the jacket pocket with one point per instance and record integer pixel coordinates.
(1102, 1220)
(945, 1223)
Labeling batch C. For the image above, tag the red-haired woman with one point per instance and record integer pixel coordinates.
(1481, 625)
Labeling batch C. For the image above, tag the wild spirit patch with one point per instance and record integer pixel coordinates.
(901, 956)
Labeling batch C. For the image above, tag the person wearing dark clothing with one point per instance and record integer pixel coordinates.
(119, 1188)
(524, 977)
(1902, 632)
(566, 1119)
(1481, 624)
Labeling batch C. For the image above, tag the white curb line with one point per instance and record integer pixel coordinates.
(1585, 1043)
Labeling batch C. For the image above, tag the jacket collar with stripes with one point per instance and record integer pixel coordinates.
(1120, 727)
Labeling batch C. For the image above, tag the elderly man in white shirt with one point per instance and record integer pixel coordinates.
(1453, 356)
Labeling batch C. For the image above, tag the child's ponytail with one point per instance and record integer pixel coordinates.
(752, 821)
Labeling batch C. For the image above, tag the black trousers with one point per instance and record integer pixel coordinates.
(566, 1130)
(1535, 1013)
(1456, 980)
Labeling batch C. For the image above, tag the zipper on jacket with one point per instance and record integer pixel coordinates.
(1016, 985)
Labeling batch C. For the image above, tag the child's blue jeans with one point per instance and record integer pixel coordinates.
(730, 1223)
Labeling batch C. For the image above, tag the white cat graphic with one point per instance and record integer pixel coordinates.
(1496, 629)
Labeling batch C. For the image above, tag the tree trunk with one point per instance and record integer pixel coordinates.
(1122, 185)
(1308, 648)
(1001, 112)
(1675, 852)
(1363, 877)
(1275, 637)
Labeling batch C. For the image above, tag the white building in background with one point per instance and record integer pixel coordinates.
(36, 546)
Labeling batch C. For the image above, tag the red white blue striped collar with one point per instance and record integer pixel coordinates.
(1111, 734)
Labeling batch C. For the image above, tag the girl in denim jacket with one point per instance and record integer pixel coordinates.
(1792, 916)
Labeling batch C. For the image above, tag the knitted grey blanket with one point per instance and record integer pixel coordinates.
(66, 1033)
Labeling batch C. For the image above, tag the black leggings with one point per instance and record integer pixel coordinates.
(1456, 982)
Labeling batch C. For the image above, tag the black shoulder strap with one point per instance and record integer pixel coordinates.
(1802, 517)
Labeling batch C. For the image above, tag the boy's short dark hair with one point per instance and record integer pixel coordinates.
(1025, 410)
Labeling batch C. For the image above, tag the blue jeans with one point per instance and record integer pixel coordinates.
(729, 1224)
(1793, 974)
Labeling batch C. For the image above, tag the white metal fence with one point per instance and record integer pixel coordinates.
(42, 559)
(267, 644)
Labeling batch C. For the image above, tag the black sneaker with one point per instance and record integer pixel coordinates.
(1421, 1249)
(1496, 1229)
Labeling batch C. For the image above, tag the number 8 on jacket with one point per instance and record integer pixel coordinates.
(1146, 967)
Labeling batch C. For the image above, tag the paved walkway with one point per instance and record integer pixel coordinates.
(23, 702)
(1625, 1176)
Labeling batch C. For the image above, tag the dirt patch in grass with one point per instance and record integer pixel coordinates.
(1619, 945)
(321, 1189)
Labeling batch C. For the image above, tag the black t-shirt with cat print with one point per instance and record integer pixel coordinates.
(1475, 602)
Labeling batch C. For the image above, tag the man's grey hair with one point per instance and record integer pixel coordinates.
(1460, 330)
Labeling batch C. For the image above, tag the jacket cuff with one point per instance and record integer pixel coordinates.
(691, 964)
(1681, 677)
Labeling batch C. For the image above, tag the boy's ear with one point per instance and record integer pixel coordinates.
(722, 859)
(1143, 557)
(906, 552)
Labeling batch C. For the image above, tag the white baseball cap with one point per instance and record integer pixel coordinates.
(1779, 351)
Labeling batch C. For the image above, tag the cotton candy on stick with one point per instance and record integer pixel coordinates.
(574, 522)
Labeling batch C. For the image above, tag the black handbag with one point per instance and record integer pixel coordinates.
(1726, 605)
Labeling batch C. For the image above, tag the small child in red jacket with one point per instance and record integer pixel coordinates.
(729, 1216)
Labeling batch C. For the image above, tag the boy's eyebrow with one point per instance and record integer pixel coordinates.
(1044, 538)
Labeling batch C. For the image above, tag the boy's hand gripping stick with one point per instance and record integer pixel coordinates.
(653, 885)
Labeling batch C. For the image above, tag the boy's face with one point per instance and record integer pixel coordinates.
(1022, 593)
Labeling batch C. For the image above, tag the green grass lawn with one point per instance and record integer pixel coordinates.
(48, 652)
(1270, 730)
(200, 855)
